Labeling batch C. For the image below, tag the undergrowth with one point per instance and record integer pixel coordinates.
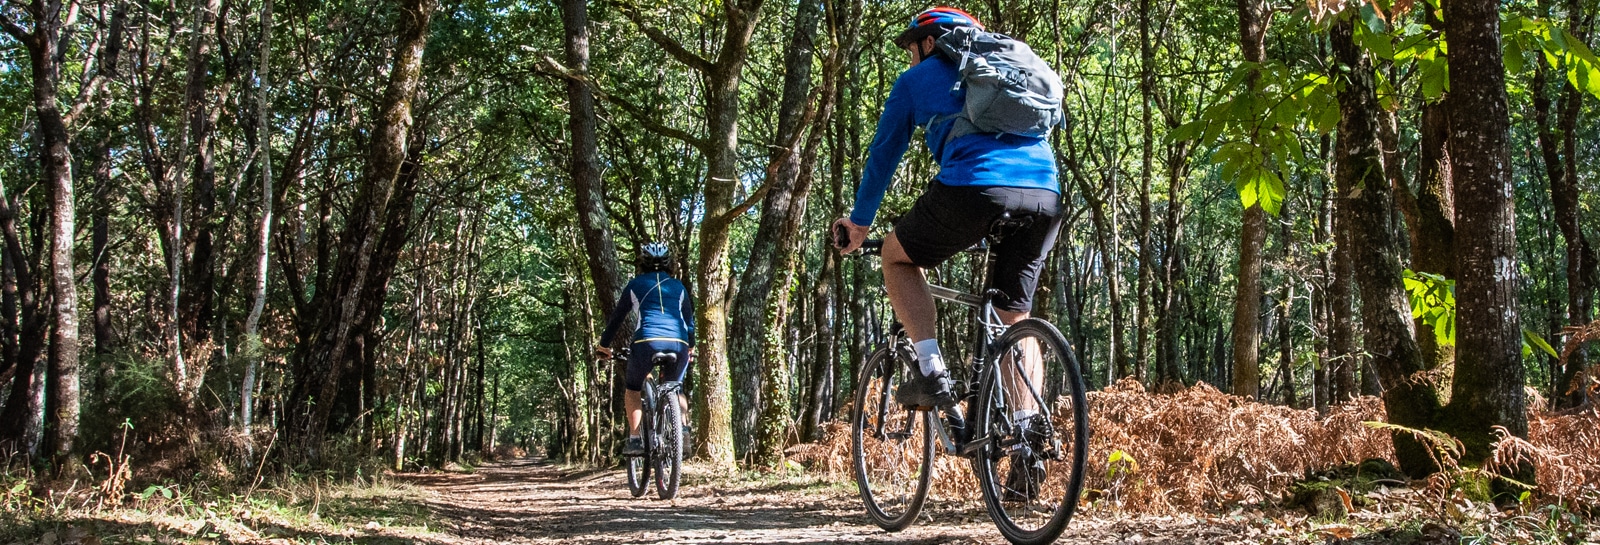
(1201, 451)
(102, 505)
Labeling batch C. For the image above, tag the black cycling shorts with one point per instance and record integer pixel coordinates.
(640, 362)
(948, 219)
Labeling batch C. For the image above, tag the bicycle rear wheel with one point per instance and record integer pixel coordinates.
(891, 446)
(1033, 422)
(668, 453)
(639, 466)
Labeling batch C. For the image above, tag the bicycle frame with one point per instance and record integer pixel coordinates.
(983, 347)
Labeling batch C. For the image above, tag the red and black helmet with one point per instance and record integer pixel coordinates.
(935, 22)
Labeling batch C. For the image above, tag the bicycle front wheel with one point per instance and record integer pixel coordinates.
(1033, 424)
(639, 466)
(891, 445)
(668, 454)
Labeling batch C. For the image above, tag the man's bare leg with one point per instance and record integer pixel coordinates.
(908, 291)
(1032, 366)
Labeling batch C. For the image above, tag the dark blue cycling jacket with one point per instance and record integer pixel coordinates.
(922, 93)
(666, 311)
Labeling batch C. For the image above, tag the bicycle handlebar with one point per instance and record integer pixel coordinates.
(838, 237)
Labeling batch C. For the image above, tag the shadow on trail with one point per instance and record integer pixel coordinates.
(535, 500)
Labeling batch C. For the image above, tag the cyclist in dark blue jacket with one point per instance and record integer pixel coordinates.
(665, 325)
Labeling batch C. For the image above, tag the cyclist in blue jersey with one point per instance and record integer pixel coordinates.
(981, 176)
(665, 325)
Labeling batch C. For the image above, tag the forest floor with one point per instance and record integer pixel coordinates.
(531, 501)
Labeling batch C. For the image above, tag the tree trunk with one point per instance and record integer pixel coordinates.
(1321, 303)
(712, 396)
(783, 205)
(1558, 145)
(55, 159)
(585, 162)
(1173, 270)
(1385, 308)
(1252, 235)
(100, 269)
(1147, 83)
(1118, 364)
(320, 362)
(1433, 239)
(1342, 355)
(1487, 387)
(1285, 314)
(253, 349)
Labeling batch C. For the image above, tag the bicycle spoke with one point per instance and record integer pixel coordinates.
(892, 447)
(1032, 469)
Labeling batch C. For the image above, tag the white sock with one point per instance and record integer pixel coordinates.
(631, 437)
(928, 357)
(1020, 415)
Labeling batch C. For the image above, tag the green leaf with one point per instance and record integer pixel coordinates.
(166, 492)
(1552, 52)
(1261, 186)
(1577, 47)
(1435, 79)
(1411, 47)
(1387, 98)
(1512, 53)
(1374, 22)
(1376, 42)
(1327, 116)
(1531, 338)
(1511, 24)
(21, 485)
(1187, 131)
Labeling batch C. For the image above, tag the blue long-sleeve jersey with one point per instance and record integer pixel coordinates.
(665, 309)
(926, 92)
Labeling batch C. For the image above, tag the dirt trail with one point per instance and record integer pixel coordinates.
(531, 501)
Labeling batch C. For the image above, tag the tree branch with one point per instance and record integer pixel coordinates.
(742, 207)
(666, 42)
(16, 31)
(637, 113)
(85, 97)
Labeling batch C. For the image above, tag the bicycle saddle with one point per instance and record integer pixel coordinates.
(1007, 224)
(1002, 227)
(664, 358)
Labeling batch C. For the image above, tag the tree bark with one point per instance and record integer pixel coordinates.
(320, 361)
(783, 205)
(1487, 387)
(43, 43)
(1252, 235)
(1408, 396)
(1558, 147)
(585, 162)
(1433, 238)
(100, 269)
(253, 351)
(1285, 314)
(1147, 84)
(21, 422)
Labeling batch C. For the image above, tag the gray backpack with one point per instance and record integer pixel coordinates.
(1009, 88)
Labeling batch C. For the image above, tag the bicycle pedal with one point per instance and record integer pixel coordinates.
(971, 448)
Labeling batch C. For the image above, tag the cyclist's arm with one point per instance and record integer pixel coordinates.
(883, 156)
(618, 315)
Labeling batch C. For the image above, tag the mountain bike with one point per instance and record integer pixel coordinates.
(1024, 425)
(661, 427)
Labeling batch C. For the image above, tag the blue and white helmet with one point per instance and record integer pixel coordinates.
(655, 257)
